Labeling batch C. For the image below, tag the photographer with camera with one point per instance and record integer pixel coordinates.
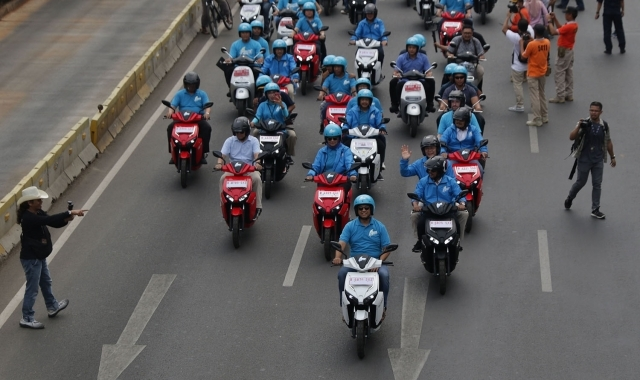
(592, 142)
(519, 12)
(564, 61)
(518, 64)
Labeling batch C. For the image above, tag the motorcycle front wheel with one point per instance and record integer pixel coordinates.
(470, 209)
(303, 82)
(442, 274)
(360, 338)
(183, 173)
(413, 126)
(267, 183)
(235, 231)
(328, 249)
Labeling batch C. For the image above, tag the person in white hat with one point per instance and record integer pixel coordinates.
(36, 246)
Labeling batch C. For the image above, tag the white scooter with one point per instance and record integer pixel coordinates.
(362, 300)
(413, 98)
(367, 62)
(286, 17)
(242, 85)
(251, 10)
(364, 148)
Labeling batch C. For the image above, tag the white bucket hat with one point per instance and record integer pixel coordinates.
(31, 193)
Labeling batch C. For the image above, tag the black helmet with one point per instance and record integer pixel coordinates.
(191, 78)
(371, 8)
(437, 163)
(462, 113)
(457, 94)
(428, 141)
(241, 124)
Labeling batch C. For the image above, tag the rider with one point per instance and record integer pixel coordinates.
(275, 108)
(256, 34)
(366, 113)
(463, 136)
(430, 147)
(281, 63)
(311, 23)
(192, 98)
(245, 148)
(260, 97)
(462, 6)
(447, 79)
(445, 120)
(437, 187)
(363, 84)
(408, 61)
(327, 66)
(264, 11)
(339, 81)
(467, 43)
(470, 93)
(422, 43)
(371, 27)
(365, 235)
(244, 46)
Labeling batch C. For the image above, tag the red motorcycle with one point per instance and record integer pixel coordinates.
(330, 207)
(469, 177)
(307, 58)
(451, 26)
(237, 199)
(336, 106)
(186, 144)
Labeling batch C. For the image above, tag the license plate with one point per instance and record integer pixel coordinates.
(440, 224)
(236, 184)
(361, 280)
(329, 194)
(450, 24)
(412, 87)
(285, 22)
(188, 130)
(270, 139)
(466, 169)
(363, 144)
(250, 7)
(241, 72)
(337, 110)
(305, 47)
(366, 53)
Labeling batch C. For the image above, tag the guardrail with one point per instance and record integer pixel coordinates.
(80, 147)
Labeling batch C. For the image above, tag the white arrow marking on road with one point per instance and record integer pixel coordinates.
(408, 360)
(297, 256)
(116, 358)
(545, 266)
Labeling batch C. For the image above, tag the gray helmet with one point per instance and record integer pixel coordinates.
(191, 78)
(428, 141)
(457, 94)
(371, 8)
(241, 124)
(437, 163)
(462, 113)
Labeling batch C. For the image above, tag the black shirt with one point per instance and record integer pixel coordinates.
(34, 230)
(610, 7)
(593, 143)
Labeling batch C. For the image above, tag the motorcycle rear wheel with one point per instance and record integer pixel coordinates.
(235, 231)
(328, 249)
(413, 126)
(183, 173)
(471, 210)
(442, 274)
(267, 183)
(360, 338)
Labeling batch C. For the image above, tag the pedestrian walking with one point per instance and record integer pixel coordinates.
(592, 143)
(36, 247)
(564, 61)
(518, 64)
(612, 14)
(537, 52)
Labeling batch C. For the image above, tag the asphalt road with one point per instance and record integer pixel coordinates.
(227, 315)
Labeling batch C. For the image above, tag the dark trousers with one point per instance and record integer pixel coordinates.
(204, 133)
(616, 20)
(395, 89)
(584, 168)
(265, 13)
(563, 4)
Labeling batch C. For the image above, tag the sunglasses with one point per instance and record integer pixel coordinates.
(238, 133)
(458, 77)
(364, 208)
(333, 138)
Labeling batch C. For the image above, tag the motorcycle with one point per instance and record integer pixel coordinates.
(336, 106)
(251, 10)
(413, 98)
(441, 240)
(483, 7)
(284, 81)
(330, 206)
(450, 27)
(272, 144)
(237, 200)
(362, 300)
(287, 17)
(470, 61)
(469, 177)
(367, 62)
(328, 6)
(477, 113)
(307, 58)
(426, 11)
(242, 87)
(186, 143)
(356, 11)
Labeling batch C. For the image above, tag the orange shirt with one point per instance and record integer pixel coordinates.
(517, 17)
(567, 35)
(537, 51)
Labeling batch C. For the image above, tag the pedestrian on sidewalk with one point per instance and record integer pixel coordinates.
(36, 247)
(612, 14)
(592, 143)
(564, 61)
(537, 51)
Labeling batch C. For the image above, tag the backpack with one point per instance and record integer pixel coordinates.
(576, 145)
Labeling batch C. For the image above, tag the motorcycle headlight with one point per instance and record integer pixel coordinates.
(371, 157)
(229, 197)
(338, 207)
(434, 241)
(193, 141)
(448, 240)
(299, 58)
(309, 58)
(475, 182)
(276, 151)
(243, 198)
(176, 142)
(369, 300)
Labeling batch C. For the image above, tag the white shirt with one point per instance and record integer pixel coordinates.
(516, 65)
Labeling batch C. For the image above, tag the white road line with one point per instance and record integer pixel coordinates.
(413, 305)
(545, 267)
(15, 301)
(297, 256)
(533, 137)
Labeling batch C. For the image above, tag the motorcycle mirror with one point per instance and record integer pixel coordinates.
(392, 64)
(484, 142)
(207, 105)
(307, 165)
(386, 34)
(443, 144)
(167, 103)
(289, 26)
(293, 116)
(295, 70)
(337, 246)
(224, 50)
(343, 119)
(483, 97)
(453, 44)
(462, 194)
(414, 197)
(249, 112)
(351, 32)
(438, 98)
(317, 87)
(391, 247)
(486, 47)
(355, 166)
(434, 65)
(324, 28)
(386, 120)
(263, 50)
(217, 153)
(439, 6)
(470, 78)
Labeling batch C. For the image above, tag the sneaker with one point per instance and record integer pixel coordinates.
(344, 11)
(228, 94)
(61, 306)
(622, 51)
(516, 108)
(258, 212)
(383, 166)
(380, 177)
(31, 324)
(321, 128)
(607, 52)
(534, 123)
(289, 160)
(568, 98)
(567, 203)
(597, 214)
(417, 247)
(545, 120)
(557, 99)
(203, 161)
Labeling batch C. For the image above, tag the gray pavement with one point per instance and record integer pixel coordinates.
(227, 316)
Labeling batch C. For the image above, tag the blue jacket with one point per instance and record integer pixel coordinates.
(249, 48)
(353, 102)
(373, 30)
(446, 191)
(417, 168)
(267, 110)
(447, 120)
(343, 162)
(272, 65)
(472, 140)
(356, 117)
(335, 84)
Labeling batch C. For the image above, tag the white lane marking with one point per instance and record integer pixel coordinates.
(545, 267)
(15, 301)
(533, 137)
(413, 305)
(297, 256)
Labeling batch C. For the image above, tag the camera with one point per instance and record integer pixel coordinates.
(584, 123)
(513, 8)
(526, 36)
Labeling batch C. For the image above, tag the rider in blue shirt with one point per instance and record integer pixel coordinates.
(463, 136)
(412, 60)
(244, 46)
(281, 63)
(371, 27)
(363, 84)
(456, 100)
(339, 81)
(275, 108)
(334, 156)
(256, 34)
(311, 23)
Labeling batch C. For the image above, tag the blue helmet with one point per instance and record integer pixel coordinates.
(257, 24)
(332, 130)
(423, 41)
(340, 61)
(271, 87)
(365, 94)
(263, 80)
(413, 41)
(460, 70)
(364, 200)
(301, 3)
(328, 60)
(363, 81)
(244, 27)
(309, 5)
(278, 44)
(449, 68)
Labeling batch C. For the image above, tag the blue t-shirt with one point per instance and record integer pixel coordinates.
(372, 117)
(446, 121)
(455, 5)
(283, 66)
(263, 43)
(341, 160)
(370, 239)
(267, 110)
(339, 84)
(310, 26)
(241, 150)
(420, 63)
(471, 139)
(249, 48)
(185, 101)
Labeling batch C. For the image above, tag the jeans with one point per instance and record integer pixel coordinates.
(616, 20)
(266, 6)
(37, 273)
(383, 273)
(596, 169)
